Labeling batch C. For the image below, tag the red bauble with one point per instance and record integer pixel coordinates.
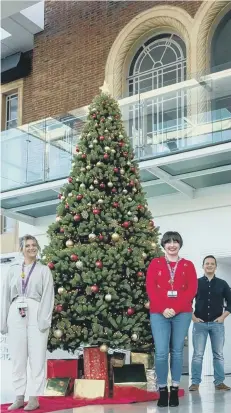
(116, 170)
(114, 190)
(79, 197)
(77, 149)
(94, 116)
(126, 224)
(70, 179)
(51, 265)
(121, 144)
(96, 211)
(99, 264)
(101, 138)
(125, 154)
(59, 308)
(133, 169)
(140, 274)
(130, 311)
(115, 204)
(59, 196)
(102, 186)
(84, 156)
(61, 230)
(129, 249)
(102, 120)
(140, 207)
(94, 288)
(101, 237)
(66, 206)
(77, 217)
(131, 183)
(106, 156)
(74, 257)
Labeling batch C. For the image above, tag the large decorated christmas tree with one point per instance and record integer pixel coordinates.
(102, 242)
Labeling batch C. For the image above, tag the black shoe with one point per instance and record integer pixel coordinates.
(174, 399)
(163, 400)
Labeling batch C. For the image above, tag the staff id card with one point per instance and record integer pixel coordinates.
(172, 294)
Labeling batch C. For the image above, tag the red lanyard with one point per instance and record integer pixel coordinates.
(172, 270)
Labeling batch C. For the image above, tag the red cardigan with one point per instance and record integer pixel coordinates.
(157, 285)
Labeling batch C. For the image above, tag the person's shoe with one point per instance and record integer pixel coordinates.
(163, 400)
(174, 399)
(194, 387)
(33, 403)
(18, 403)
(222, 386)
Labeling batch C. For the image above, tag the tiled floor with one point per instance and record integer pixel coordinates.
(206, 401)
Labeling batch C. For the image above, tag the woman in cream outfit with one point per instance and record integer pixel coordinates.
(27, 301)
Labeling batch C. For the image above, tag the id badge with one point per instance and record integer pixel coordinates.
(22, 306)
(172, 294)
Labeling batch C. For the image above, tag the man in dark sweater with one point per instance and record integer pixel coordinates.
(208, 318)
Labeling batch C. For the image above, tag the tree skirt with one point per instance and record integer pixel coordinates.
(127, 395)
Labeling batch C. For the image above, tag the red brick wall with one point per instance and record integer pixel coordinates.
(70, 54)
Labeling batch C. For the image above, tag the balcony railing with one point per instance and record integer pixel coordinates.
(160, 122)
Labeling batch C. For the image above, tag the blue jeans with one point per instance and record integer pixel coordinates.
(216, 331)
(169, 335)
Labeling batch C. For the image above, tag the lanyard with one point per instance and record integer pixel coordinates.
(25, 283)
(172, 270)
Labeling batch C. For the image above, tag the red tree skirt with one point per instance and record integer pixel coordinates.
(127, 395)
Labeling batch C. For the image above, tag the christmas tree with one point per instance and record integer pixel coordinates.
(102, 242)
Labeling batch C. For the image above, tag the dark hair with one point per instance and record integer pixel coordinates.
(210, 256)
(171, 236)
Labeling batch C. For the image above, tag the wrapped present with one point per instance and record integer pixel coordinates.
(58, 387)
(151, 380)
(62, 368)
(96, 366)
(147, 359)
(132, 375)
(89, 389)
(117, 360)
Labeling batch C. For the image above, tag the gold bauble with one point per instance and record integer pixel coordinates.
(61, 290)
(147, 305)
(115, 237)
(104, 348)
(153, 245)
(69, 243)
(144, 255)
(134, 337)
(58, 333)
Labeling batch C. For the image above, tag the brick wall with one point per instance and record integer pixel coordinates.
(70, 54)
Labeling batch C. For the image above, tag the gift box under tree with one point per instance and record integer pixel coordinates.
(57, 368)
(96, 366)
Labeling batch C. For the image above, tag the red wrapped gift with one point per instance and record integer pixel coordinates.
(96, 366)
(62, 368)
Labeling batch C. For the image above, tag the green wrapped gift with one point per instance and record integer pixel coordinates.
(58, 387)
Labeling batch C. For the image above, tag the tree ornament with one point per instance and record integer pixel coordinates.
(91, 146)
(102, 185)
(121, 136)
(151, 223)
(57, 219)
(62, 197)
(106, 156)
(130, 199)
(96, 211)
(80, 153)
(104, 348)
(115, 204)
(85, 214)
(82, 169)
(108, 297)
(84, 156)
(59, 196)
(135, 219)
(99, 164)
(144, 255)
(100, 201)
(129, 213)
(92, 237)
(129, 249)
(95, 288)
(51, 265)
(70, 179)
(125, 191)
(58, 333)
(101, 138)
(61, 230)
(134, 190)
(110, 184)
(121, 144)
(125, 154)
(76, 149)
(114, 190)
(153, 245)
(140, 274)
(107, 148)
(99, 264)
(139, 207)
(113, 151)
(82, 186)
(77, 217)
(58, 308)
(79, 265)
(91, 187)
(61, 290)
(95, 141)
(122, 171)
(134, 337)
(101, 237)
(79, 197)
(74, 257)
(130, 311)
(128, 163)
(106, 130)
(88, 167)
(66, 206)
(116, 170)
(126, 224)
(96, 181)
(132, 169)
(69, 243)
(147, 305)
(115, 237)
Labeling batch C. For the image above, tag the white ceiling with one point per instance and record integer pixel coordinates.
(20, 21)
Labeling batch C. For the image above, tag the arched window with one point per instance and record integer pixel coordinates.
(221, 50)
(159, 62)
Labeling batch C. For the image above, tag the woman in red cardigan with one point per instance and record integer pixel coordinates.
(171, 287)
